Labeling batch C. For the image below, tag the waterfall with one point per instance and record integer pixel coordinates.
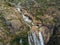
(35, 40)
(32, 38)
(20, 40)
(26, 19)
(29, 37)
(41, 38)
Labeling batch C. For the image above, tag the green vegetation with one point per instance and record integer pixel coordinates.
(38, 9)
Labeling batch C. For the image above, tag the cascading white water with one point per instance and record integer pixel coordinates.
(30, 39)
(41, 38)
(21, 41)
(27, 20)
(34, 40)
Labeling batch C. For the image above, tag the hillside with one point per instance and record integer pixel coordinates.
(18, 18)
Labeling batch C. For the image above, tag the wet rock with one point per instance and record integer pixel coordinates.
(34, 29)
(45, 32)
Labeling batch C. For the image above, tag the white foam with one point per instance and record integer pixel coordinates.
(41, 38)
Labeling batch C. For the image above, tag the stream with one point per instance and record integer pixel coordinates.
(32, 38)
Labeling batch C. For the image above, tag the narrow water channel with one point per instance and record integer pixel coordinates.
(32, 38)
